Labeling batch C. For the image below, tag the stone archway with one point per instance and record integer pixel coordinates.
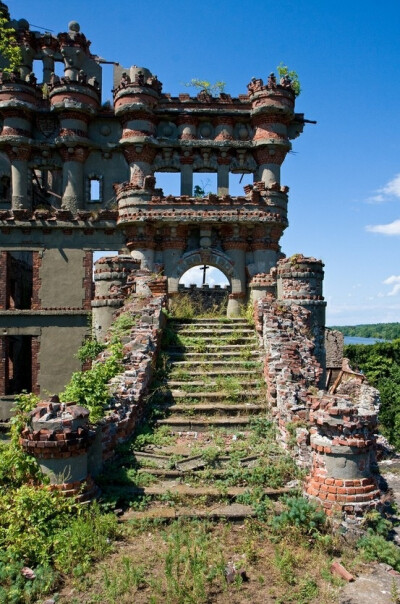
(217, 259)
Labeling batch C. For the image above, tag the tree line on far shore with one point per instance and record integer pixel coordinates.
(384, 331)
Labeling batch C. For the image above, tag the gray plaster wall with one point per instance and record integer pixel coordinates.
(112, 169)
(57, 361)
(61, 470)
(62, 273)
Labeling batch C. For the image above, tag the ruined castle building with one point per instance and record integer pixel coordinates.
(77, 176)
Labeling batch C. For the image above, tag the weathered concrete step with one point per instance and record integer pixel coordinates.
(221, 321)
(254, 373)
(243, 383)
(231, 365)
(214, 355)
(215, 395)
(212, 332)
(216, 408)
(184, 424)
(236, 512)
(211, 347)
(186, 462)
(180, 473)
(183, 490)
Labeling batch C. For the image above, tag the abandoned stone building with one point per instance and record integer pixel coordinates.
(77, 176)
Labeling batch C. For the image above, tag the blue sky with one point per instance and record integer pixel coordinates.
(344, 172)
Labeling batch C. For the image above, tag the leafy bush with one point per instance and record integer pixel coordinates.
(376, 547)
(89, 350)
(90, 388)
(302, 514)
(16, 467)
(48, 533)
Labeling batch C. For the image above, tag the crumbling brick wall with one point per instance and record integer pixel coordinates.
(331, 435)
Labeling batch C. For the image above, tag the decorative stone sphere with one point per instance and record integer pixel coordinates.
(74, 26)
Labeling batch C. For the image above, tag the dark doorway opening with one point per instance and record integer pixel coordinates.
(19, 280)
(18, 364)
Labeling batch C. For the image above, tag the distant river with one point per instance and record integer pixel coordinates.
(355, 340)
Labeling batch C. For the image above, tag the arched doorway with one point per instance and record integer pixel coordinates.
(205, 288)
(212, 259)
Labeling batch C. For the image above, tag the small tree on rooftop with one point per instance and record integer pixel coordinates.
(213, 89)
(284, 70)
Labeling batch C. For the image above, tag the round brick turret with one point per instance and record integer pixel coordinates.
(300, 282)
(110, 278)
(342, 476)
(58, 435)
(272, 109)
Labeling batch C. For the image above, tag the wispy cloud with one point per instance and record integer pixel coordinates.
(395, 281)
(389, 191)
(393, 228)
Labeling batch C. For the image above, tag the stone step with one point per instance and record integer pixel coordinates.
(233, 373)
(236, 512)
(222, 321)
(186, 462)
(243, 383)
(192, 424)
(215, 408)
(215, 355)
(213, 395)
(213, 364)
(209, 347)
(182, 490)
(210, 331)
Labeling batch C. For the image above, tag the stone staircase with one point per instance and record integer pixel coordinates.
(208, 442)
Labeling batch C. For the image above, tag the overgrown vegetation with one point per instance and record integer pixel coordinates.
(42, 533)
(212, 89)
(183, 306)
(384, 331)
(90, 388)
(284, 70)
(381, 364)
(9, 48)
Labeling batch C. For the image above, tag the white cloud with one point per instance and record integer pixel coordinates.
(390, 190)
(195, 275)
(395, 281)
(393, 228)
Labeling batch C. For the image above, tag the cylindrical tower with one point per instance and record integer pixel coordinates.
(272, 110)
(343, 472)
(58, 435)
(300, 282)
(110, 278)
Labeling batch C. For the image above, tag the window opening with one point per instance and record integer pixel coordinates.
(204, 183)
(94, 194)
(169, 182)
(19, 285)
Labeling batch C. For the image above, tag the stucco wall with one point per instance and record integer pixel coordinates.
(61, 274)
